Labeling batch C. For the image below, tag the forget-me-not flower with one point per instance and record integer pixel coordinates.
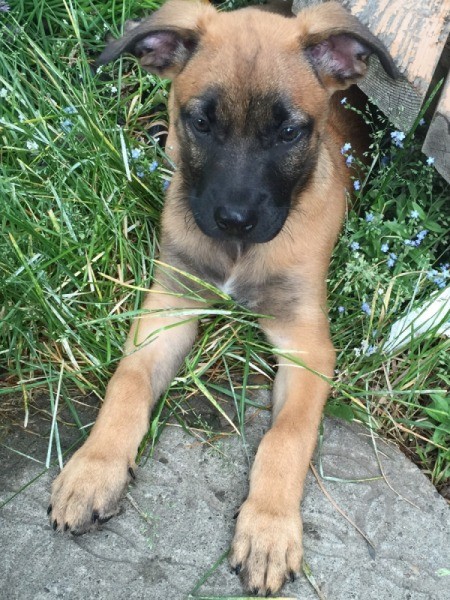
(136, 153)
(70, 110)
(66, 125)
(391, 260)
(397, 138)
(365, 307)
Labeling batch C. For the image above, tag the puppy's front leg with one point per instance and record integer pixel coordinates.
(267, 547)
(90, 486)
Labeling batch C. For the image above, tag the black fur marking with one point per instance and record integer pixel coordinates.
(243, 161)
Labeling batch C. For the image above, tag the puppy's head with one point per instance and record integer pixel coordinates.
(251, 92)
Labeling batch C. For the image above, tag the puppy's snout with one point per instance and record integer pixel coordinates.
(235, 221)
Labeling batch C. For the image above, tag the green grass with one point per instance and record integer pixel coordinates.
(79, 231)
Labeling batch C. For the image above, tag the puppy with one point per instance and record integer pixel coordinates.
(254, 207)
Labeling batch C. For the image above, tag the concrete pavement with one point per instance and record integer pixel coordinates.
(178, 520)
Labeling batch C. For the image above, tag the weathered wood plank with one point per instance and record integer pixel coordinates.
(415, 32)
(437, 141)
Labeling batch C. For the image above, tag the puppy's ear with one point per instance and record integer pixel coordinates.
(165, 41)
(338, 46)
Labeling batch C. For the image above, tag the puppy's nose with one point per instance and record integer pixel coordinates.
(235, 221)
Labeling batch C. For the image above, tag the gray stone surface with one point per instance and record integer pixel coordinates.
(186, 497)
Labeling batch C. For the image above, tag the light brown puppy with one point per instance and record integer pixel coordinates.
(254, 207)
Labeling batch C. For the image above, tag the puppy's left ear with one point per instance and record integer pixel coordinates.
(338, 46)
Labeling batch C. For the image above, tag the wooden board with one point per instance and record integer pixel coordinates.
(437, 142)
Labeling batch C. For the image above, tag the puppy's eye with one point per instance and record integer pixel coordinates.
(201, 125)
(290, 133)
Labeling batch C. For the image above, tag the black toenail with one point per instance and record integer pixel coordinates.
(105, 519)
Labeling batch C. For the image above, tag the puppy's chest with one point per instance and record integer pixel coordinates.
(243, 276)
(268, 294)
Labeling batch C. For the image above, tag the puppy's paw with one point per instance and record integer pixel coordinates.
(87, 491)
(267, 547)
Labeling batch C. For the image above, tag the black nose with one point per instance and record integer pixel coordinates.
(235, 221)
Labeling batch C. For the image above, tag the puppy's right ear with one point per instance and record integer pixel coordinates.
(165, 41)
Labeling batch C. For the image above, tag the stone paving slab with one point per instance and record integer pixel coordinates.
(189, 492)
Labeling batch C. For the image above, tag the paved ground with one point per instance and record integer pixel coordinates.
(179, 523)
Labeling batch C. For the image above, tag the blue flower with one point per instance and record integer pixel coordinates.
(136, 153)
(365, 307)
(341, 309)
(421, 235)
(370, 350)
(445, 271)
(66, 125)
(166, 184)
(348, 161)
(385, 160)
(355, 246)
(140, 173)
(422, 122)
(414, 214)
(391, 260)
(397, 138)
(439, 278)
(153, 166)
(356, 187)
(70, 110)
(430, 161)
(4, 7)
(344, 100)
(346, 147)
(32, 145)
(384, 248)
(369, 217)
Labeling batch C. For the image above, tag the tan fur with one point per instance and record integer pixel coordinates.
(234, 48)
